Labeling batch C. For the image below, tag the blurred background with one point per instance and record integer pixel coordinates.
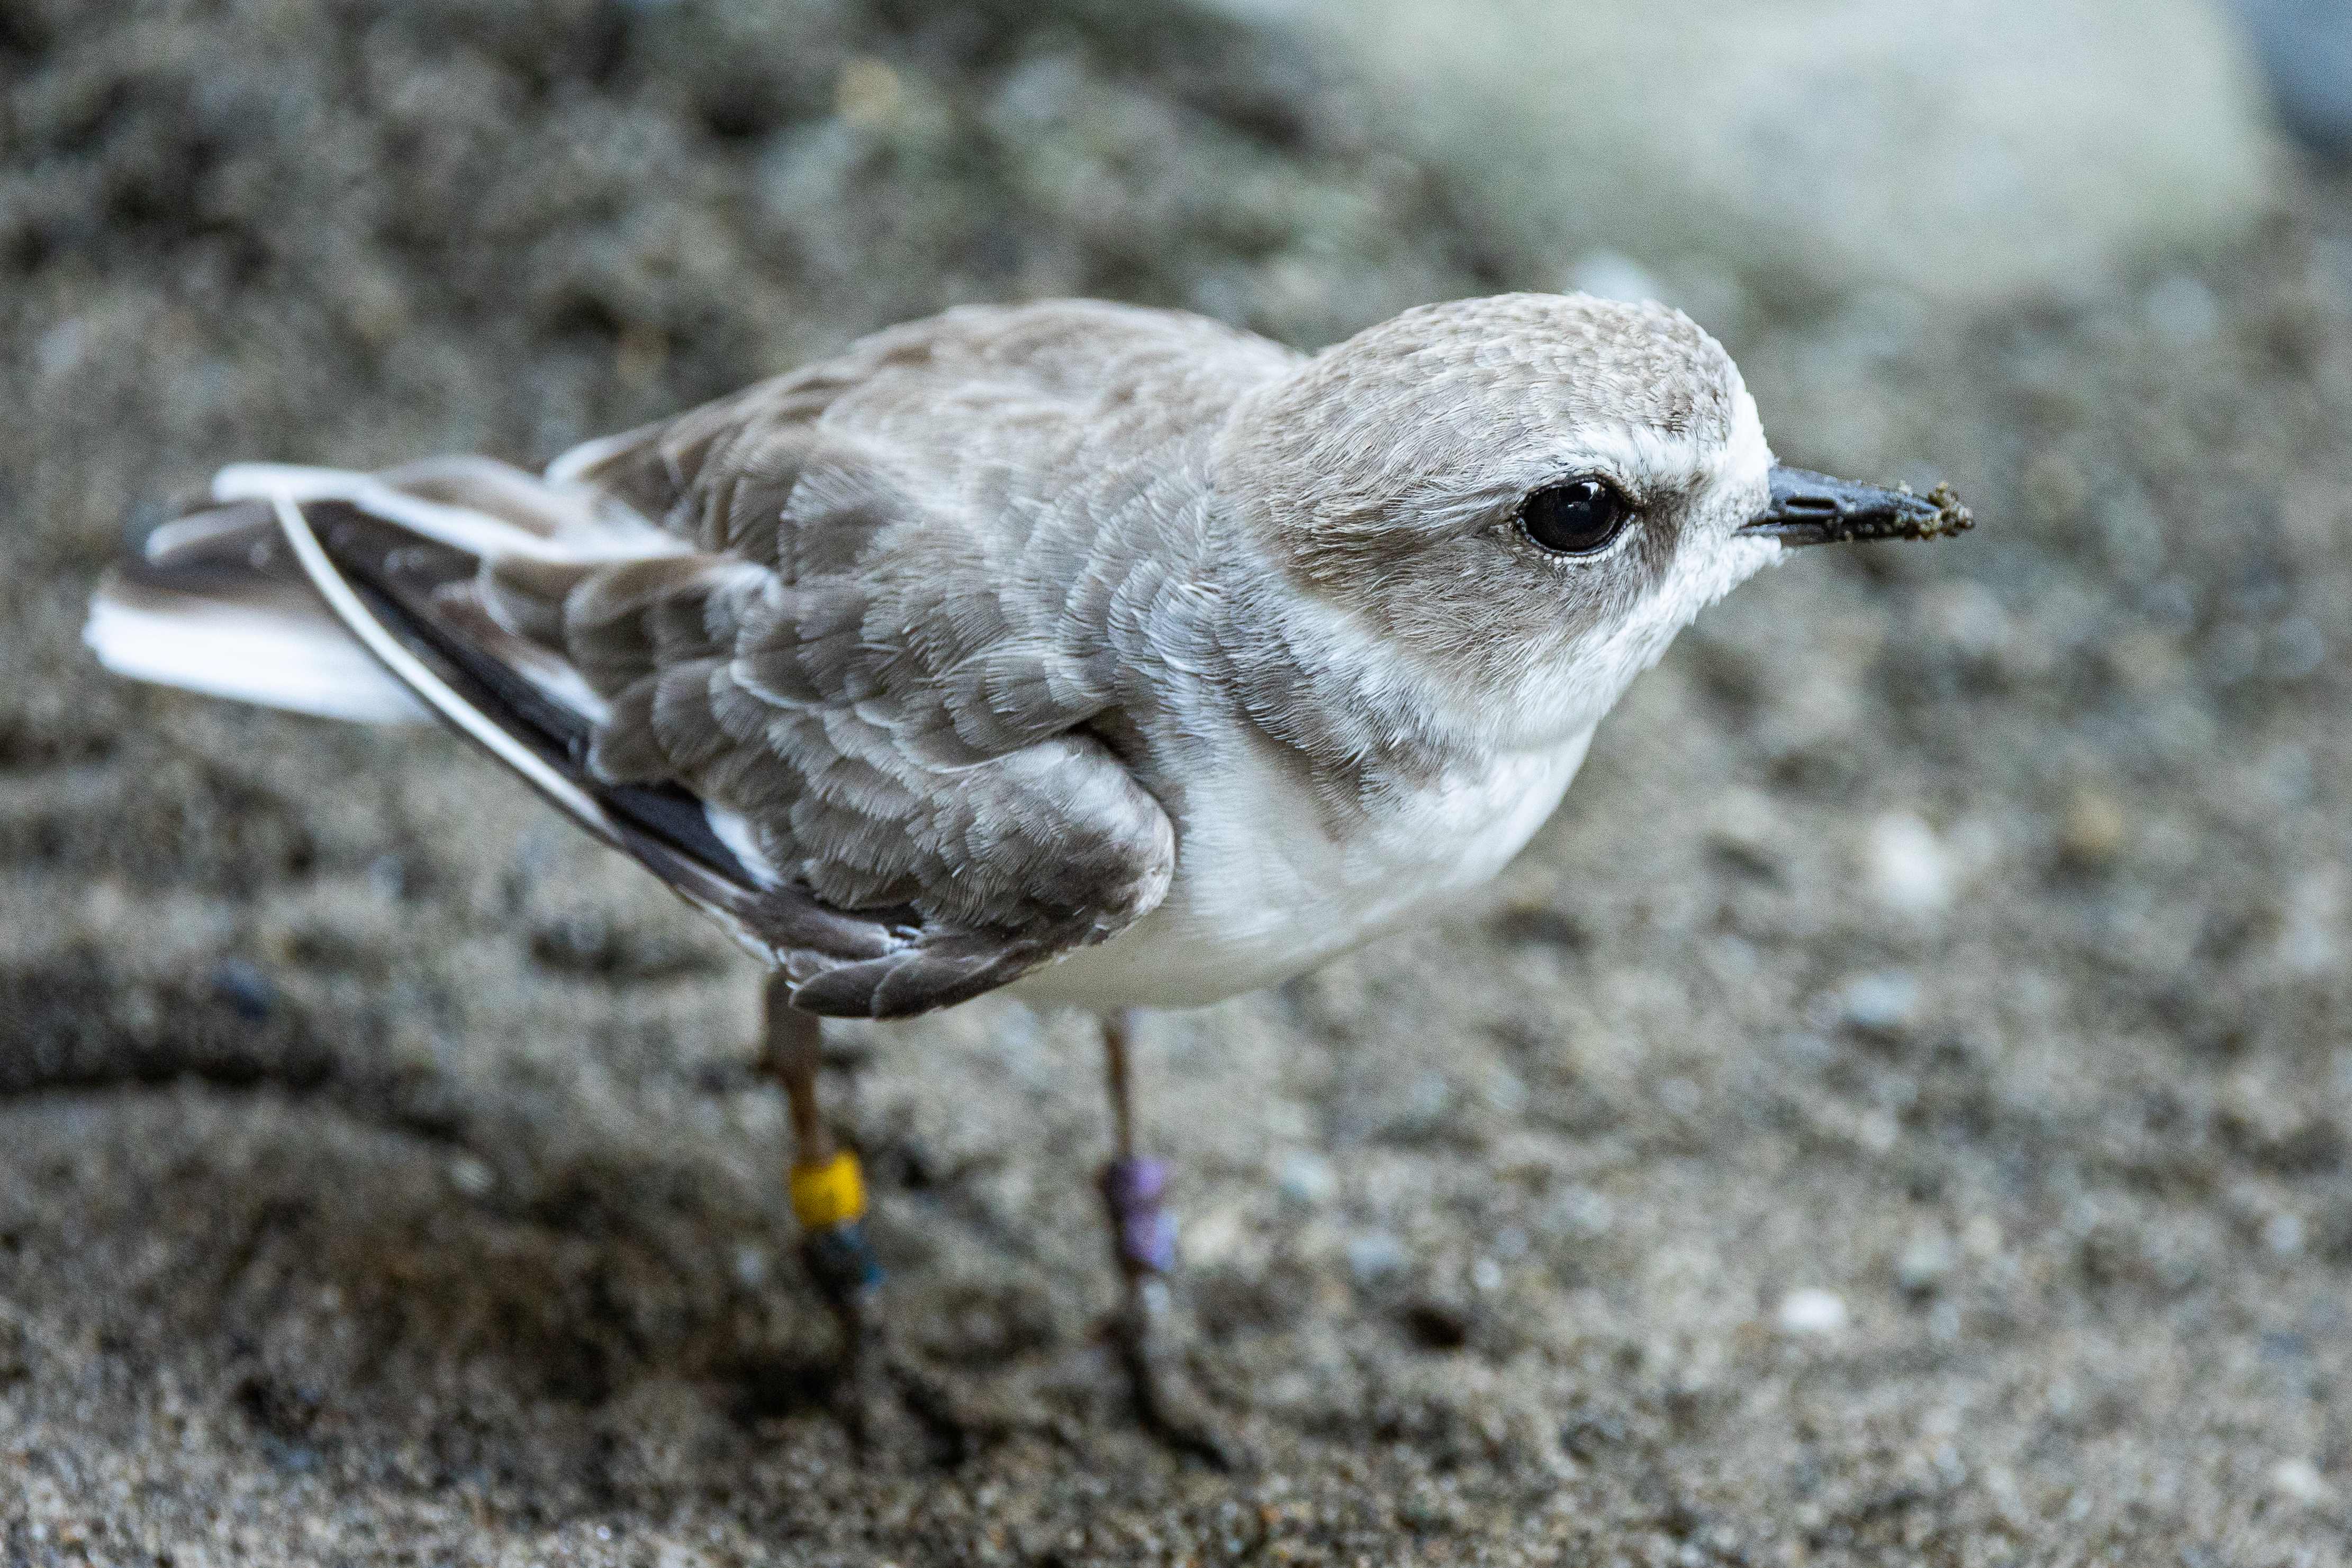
(1897, 1112)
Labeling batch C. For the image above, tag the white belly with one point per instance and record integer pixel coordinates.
(1265, 888)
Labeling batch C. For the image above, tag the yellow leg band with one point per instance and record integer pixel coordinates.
(828, 1195)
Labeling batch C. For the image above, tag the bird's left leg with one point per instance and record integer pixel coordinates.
(880, 1389)
(1143, 1247)
(828, 1192)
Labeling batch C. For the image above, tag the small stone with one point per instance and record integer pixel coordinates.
(1880, 1003)
(1908, 868)
(751, 1265)
(1214, 1235)
(1924, 1265)
(2300, 1481)
(1486, 1275)
(1374, 1256)
(388, 875)
(2092, 832)
(2306, 52)
(1814, 1312)
(1305, 1177)
(471, 1176)
(1748, 830)
(868, 94)
(1589, 1433)
(1578, 1211)
(1437, 1326)
(1535, 924)
(248, 992)
(2282, 1234)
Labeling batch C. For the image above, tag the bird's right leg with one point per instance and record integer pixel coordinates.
(1143, 1247)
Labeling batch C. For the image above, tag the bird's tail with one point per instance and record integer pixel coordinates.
(361, 597)
(216, 601)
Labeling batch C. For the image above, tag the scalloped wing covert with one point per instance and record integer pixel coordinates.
(886, 656)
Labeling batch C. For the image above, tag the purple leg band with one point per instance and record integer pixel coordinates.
(1147, 1234)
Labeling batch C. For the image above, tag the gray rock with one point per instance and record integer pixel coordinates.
(1906, 865)
(1375, 1255)
(2306, 48)
(1814, 1311)
(1926, 1263)
(1880, 1003)
(246, 1310)
(1305, 1177)
(1962, 153)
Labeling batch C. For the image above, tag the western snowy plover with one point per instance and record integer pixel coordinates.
(1110, 656)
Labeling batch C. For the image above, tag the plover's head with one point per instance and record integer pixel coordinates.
(1530, 494)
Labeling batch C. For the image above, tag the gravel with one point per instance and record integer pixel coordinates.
(382, 1174)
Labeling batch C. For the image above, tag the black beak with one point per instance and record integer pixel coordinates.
(1810, 508)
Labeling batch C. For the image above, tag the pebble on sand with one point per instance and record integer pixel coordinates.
(1304, 1176)
(1880, 1003)
(1375, 1255)
(1925, 1262)
(1812, 1310)
(1908, 869)
(2092, 832)
(471, 1175)
(2299, 1480)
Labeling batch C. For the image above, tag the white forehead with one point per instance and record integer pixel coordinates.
(1646, 459)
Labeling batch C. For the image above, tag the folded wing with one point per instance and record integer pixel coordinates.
(894, 796)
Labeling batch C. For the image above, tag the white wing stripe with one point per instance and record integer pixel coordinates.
(461, 527)
(413, 674)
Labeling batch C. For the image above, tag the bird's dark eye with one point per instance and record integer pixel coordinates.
(1574, 518)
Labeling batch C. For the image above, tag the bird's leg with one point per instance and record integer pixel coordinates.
(1143, 1247)
(828, 1188)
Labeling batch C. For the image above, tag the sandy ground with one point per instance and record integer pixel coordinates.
(1896, 1112)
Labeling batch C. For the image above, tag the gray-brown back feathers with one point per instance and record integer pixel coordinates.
(947, 632)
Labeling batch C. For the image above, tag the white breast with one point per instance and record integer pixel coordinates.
(1269, 886)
